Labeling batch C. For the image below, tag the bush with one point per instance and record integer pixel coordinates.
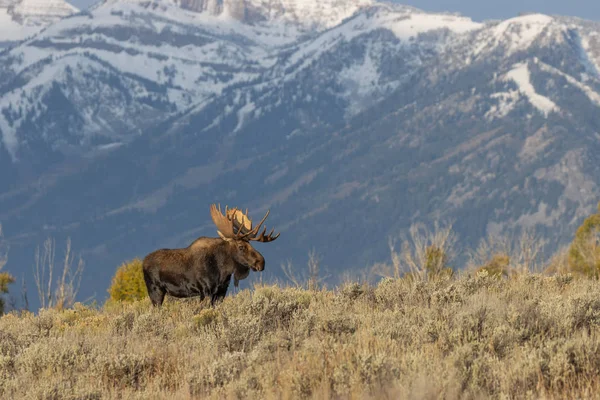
(425, 254)
(128, 283)
(437, 262)
(435, 265)
(5, 280)
(468, 337)
(206, 317)
(584, 253)
(499, 265)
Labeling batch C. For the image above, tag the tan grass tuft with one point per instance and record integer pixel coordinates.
(468, 337)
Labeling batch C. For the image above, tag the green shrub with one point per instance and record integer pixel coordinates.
(435, 266)
(499, 265)
(436, 259)
(437, 262)
(128, 283)
(584, 253)
(5, 280)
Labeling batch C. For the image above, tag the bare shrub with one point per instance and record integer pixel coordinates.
(56, 291)
(311, 278)
(558, 262)
(425, 253)
(528, 256)
(4, 248)
(504, 255)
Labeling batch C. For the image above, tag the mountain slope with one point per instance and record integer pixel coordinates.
(20, 19)
(121, 126)
(143, 70)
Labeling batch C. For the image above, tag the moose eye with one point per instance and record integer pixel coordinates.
(240, 247)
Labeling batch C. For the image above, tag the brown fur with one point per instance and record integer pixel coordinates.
(203, 269)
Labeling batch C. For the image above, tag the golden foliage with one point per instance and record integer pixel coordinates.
(584, 253)
(5, 280)
(128, 283)
(498, 265)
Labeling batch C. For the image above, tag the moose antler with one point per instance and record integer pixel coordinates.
(224, 224)
(253, 233)
(265, 238)
(240, 220)
(235, 218)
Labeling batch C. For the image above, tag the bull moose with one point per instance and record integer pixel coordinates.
(204, 268)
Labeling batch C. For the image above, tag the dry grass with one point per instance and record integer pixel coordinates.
(470, 337)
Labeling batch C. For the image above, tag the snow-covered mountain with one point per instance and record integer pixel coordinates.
(167, 59)
(308, 15)
(20, 19)
(119, 123)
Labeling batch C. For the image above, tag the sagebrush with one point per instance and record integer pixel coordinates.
(471, 336)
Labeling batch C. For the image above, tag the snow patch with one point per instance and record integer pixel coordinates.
(307, 15)
(23, 18)
(361, 80)
(43, 9)
(19, 99)
(587, 59)
(417, 23)
(244, 114)
(506, 103)
(404, 23)
(589, 92)
(11, 30)
(521, 76)
(514, 34)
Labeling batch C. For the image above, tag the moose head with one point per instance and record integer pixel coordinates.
(236, 229)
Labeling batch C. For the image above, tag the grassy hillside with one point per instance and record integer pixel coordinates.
(529, 336)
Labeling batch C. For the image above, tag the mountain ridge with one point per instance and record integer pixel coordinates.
(20, 19)
(120, 125)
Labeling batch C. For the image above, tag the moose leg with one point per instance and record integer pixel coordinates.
(221, 291)
(157, 296)
(155, 292)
